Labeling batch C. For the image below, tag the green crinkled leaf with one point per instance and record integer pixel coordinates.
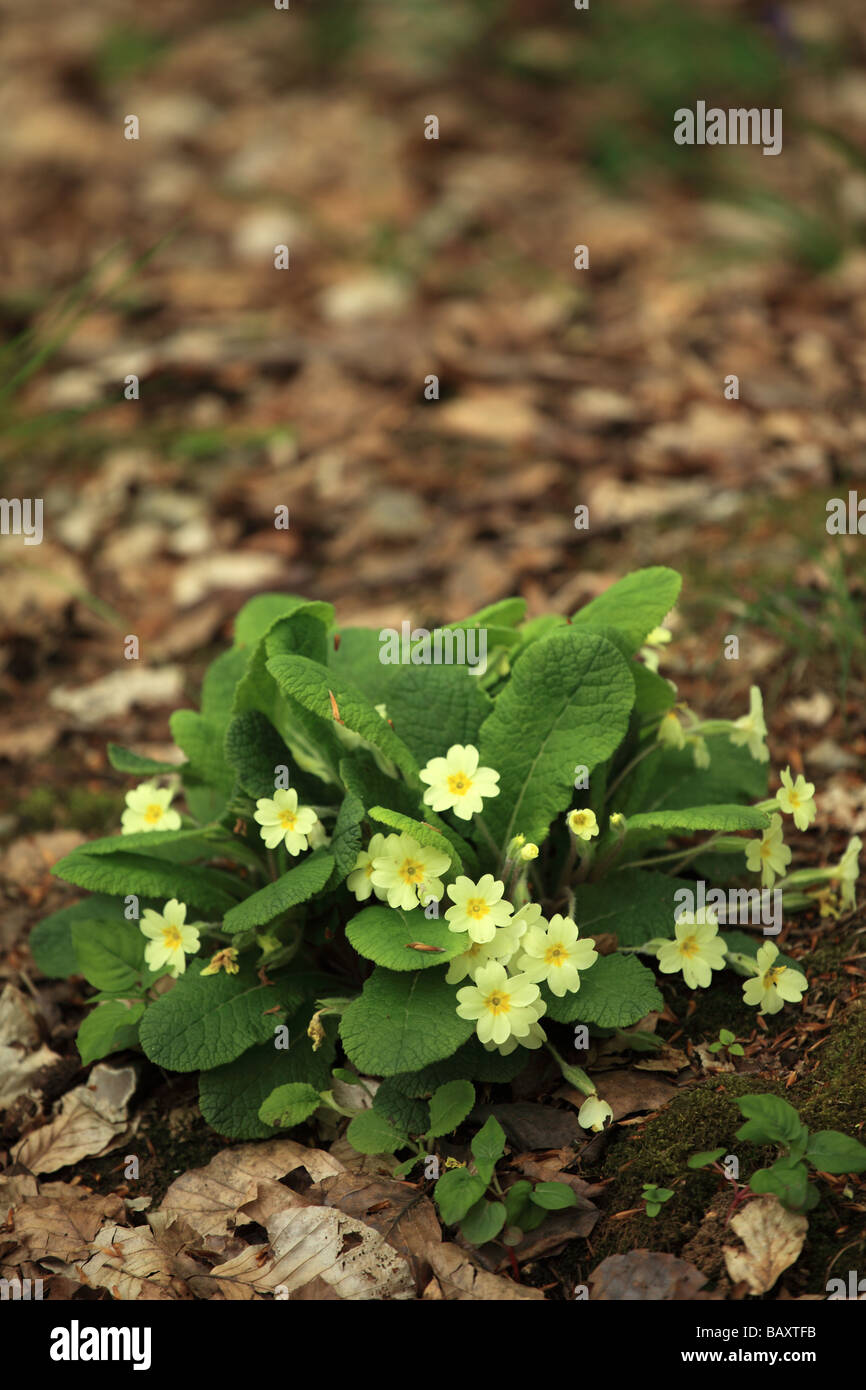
(289, 1105)
(567, 702)
(254, 750)
(407, 1114)
(402, 1022)
(136, 764)
(431, 706)
(219, 686)
(424, 834)
(692, 818)
(635, 604)
(110, 1027)
(109, 954)
(207, 1020)
(296, 886)
(259, 614)
(637, 904)
(449, 1106)
(386, 934)
(667, 779)
(123, 874)
(653, 695)
(312, 686)
(614, 993)
(208, 780)
(373, 787)
(505, 612)
(347, 839)
(311, 739)
(372, 1133)
(230, 1096)
(177, 846)
(51, 939)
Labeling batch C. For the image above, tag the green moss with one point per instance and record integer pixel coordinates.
(833, 1096)
(91, 812)
(704, 1117)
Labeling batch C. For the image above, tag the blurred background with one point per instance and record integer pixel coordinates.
(410, 258)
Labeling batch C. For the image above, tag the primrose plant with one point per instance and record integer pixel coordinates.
(402, 865)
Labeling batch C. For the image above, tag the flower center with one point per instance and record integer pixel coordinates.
(287, 820)
(794, 800)
(555, 955)
(153, 814)
(369, 869)
(689, 946)
(477, 908)
(412, 871)
(766, 849)
(772, 976)
(171, 938)
(498, 1003)
(459, 784)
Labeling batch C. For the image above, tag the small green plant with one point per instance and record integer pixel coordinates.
(728, 1040)
(376, 849)
(654, 1197)
(478, 1204)
(772, 1120)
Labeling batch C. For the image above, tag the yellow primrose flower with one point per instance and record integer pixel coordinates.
(172, 938)
(797, 799)
(847, 871)
(773, 984)
(360, 880)
(700, 751)
(478, 907)
(671, 732)
(751, 729)
(696, 949)
(408, 872)
(456, 782)
(147, 808)
(502, 946)
(555, 955)
(535, 1038)
(770, 855)
(583, 824)
(283, 821)
(499, 1004)
(593, 1113)
(529, 851)
(226, 959)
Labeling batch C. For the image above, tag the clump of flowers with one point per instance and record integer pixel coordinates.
(397, 867)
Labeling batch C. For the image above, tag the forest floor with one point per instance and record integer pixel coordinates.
(258, 388)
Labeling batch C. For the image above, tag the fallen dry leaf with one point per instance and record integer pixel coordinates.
(773, 1239)
(306, 1243)
(645, 1274)
(400, 1213)
(91, 1121)
(211, 1198)
(459, 1280)
(131, 1264)
(61, 1222)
